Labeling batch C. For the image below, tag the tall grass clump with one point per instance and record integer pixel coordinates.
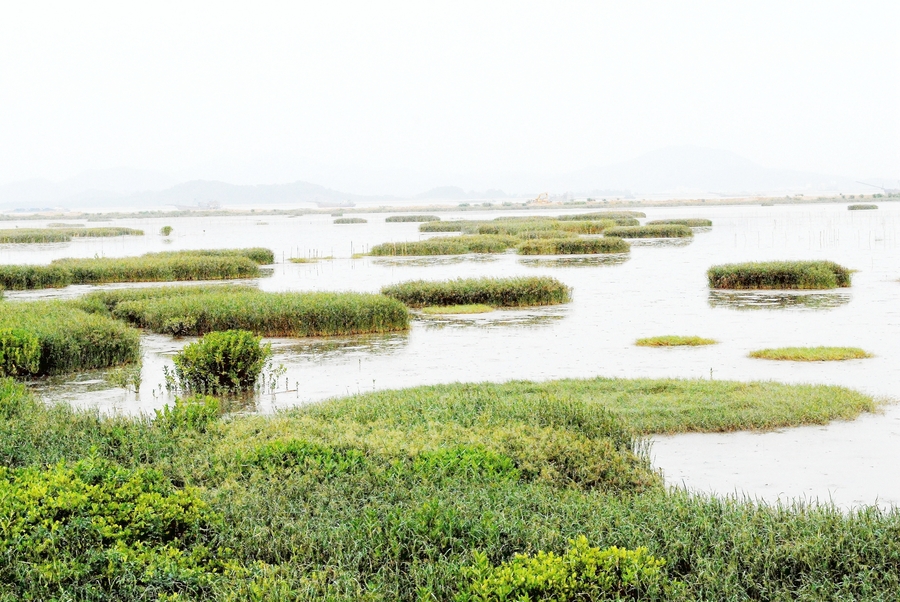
(674, 341)
(496, 292)
(779, 275)
(811, 354)
(62, 233)
(689, 222)
(450, 245)
(104, 301)
(259, 255)
(165, 230)
(222, 362)
(658, 231)
(573, 246)
(861, 207)
(452, 226)
(351, 220)
(412, 218)
(613, 215)
(265, 314)
(51, 337)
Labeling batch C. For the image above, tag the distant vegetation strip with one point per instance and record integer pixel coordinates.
(351, 220)
(450, 245)
(613, 215)
(50, 337)
(496, 292)
(690, 222)
(62, 233)
(573, 246)
(779, 275)
(674, 341)
(811, 354)
(862, 207)
(659, 231)
(180, 311)
(515, 226)
(412, 218)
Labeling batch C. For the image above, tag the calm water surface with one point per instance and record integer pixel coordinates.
(659, 288)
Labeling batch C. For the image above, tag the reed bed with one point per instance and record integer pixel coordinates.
(65, 339)
(674, 341)
(472, 308)
(811, 354)
(861, 207)
(659, 231)
(613, 215)
(689, 222)
(64, 225)
(105, 301)
(779, 275)
(259, 255)
(451, 245)
(573, 246)
(62, 233)
(517, 225)
(412, 218)
(351, 220)
(435, 226)
(495, 292)
(265, 314)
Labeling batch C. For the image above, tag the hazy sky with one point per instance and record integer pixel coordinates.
(378, 97)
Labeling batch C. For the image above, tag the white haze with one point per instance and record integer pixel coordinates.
(396, 98)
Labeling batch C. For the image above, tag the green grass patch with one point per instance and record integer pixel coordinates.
(351, 220)
(495, 292)
(412, 218)
(811, 354)
(674, 341)
(779, 275)
(62, 234)
(451, 226)
(861, 207)
(450, 245)
(471, 308)
(187, 311)
(689, 222)
(574, 246)
(659, 231)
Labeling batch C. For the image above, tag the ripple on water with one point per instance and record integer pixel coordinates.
(797, 300)
(575, 261)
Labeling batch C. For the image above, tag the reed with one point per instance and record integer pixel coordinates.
(259, 255)
(690, 222)
(613, 215)
(811, 354)
(659, 231)
(573, 246)
(674, 341)
(64, 225)
(495, 292)
(435, 226)
(265, 314)
(412, 218)
(779, 275)
(351, 220)
(451, 245)
(105, 301)
(472, 308)
(861, 207)
(62, 233)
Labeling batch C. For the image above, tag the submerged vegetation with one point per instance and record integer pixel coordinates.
(573, 246)
(450, 245)
(689, 222)
(779, 275)
(62, 233)
(412, 218)
(674, 341)
(658, 231)
(811, 354)
(495, 292)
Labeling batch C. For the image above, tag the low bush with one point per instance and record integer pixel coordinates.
(690, 222)
(660, 231)
(861, 207)
(412, 218)
(351, 220)
(674, 341)
(811, 354)
(779, 275)
(451, 245)
(222, 362)
(496, 292)
(574, 246)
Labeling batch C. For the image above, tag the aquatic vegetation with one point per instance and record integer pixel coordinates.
(573, 246)
(449, 245)
(495, 292)
(165, 230)
(613, 215)
(412, 218)
(690, 222)
(779, 275)
(52, 337)
(222, 362)
(259, 255)
(861, 207)
(811, 354)
(472, 308)
(62, 233)
(674, 341)
(351, 220)
(659, 231)
(64, 225)
(452, 226)
(310, 259)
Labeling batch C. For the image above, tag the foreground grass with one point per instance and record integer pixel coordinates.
(406, 495)
(674, 341)
(779, 275)
(495, 292)
(472, 308)
(811, 354)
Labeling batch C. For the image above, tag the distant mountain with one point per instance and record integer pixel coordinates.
(454, 193)
(89, 187)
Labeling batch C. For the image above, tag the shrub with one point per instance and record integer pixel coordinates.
(575, 246)
(660, 231)
(412, 218)
(451, 245)
(228, 361)
(20, 352)
(779, 275)
(165, 230)
(350, 220)
(690, 222)
(497, 292)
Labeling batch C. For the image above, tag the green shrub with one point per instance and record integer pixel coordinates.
(690, 222)
(496, 292)
(451, 245)
(779, 275)
(20, 352)
(582, 573)
(412, 218)
(315, 458)
(193, 413)
(465, 463)
(165, 230)
(350, 220)
(575, 246)
(220, 362)
(659, 231)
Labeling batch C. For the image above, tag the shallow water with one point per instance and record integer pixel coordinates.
(659, 288)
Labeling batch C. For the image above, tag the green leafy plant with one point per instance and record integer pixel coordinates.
(165, 230)
(229, 361)
(20, 352)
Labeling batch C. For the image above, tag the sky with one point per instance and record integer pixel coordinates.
(396, 97)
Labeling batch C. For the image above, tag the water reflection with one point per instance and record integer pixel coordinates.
(778, 299)
(660, 242)
(569, 261)
(498, 318)
(294, 350)
(437, 260)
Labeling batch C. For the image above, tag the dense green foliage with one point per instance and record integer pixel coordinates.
(658, 231)
(573, 246)
(450, 245)
(62, 233)
(351, 220)
(50, 337)
(259, 255)
(222, 362)
(674, 341)
(412, 218)
(496, 292)
(811, 354)
(861, 207)
(197, 311)
(779, 275)
(690, 222)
